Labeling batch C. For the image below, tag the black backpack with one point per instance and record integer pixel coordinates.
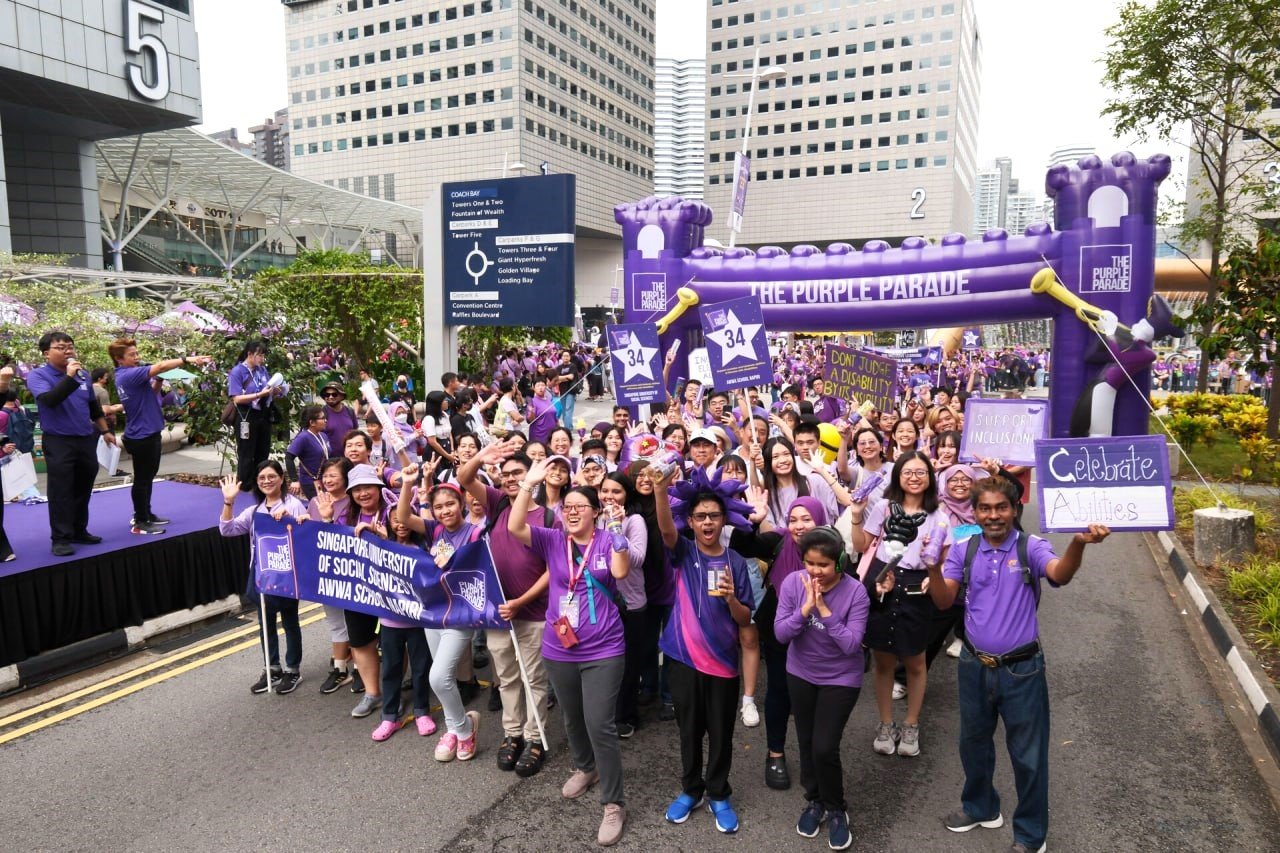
(22, 429)
(548, 516)
(971, 551)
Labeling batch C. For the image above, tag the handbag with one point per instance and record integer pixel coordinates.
(18, 475)
(230, 414)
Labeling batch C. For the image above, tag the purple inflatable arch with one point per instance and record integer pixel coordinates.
(1103, 249)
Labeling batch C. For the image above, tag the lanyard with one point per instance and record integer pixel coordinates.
(582, 568)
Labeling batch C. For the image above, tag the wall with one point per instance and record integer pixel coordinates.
(52, 185)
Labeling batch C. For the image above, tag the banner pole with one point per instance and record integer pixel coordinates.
(266, 655)
(515, 644)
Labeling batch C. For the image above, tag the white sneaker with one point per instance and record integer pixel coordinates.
(899, 690)
(953, 650)
(750, 715)
(886, 742)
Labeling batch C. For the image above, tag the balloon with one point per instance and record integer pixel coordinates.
(829, 438)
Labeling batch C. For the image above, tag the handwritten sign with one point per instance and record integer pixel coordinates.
(854, 374)
(1122, 482)
(1003, 429)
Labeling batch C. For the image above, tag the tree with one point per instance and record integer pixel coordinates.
(340, 299)
(1247, 314)
(479, 346)
(1210, 65)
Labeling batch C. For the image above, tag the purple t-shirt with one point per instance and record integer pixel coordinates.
(826, 408)
(999, 606)
(311, 450)
(701, 632)
(71, 416)
(824, 649)
(518, 567)
(596, 640)
(141, 401)
(245, 380)
(542, 419)
(339, 424)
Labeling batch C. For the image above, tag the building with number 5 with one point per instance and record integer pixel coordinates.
(72, 74)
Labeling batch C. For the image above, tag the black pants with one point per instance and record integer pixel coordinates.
(72, 463)
(5, 548)
(706, 708)
(777, 701)
(145, 454)
(638, 639)
(254, 450)
(821, 711)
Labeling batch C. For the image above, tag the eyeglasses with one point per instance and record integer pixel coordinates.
(63, 347)
(915, 475)
(574, 509)
(707, 516)
(512, 474)
(331, 395)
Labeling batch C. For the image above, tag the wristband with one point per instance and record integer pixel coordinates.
(228, 503)
(620, 542)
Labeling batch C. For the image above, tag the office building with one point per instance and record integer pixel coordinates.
(679, 127)
(231, 138)
(991, 195)
(1069, 155)
(271, 140)
(865, 120)
(389, 99)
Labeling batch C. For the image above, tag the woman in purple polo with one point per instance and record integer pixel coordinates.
(583, 641)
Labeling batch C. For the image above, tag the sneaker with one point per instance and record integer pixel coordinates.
(886, 741)
(146, 529)
(668, 712)
(357, 683)
(467, 745)
(750, 715)
(386, 729)
(611, 825)
(953, 650)
(155, 519)
(447, 747)
(335, 679)
(838, 835)
(959, 821)
(909, 742)
(579, 783)
(682, 806)
(260, 686)
(289, 682)
(426, 725)
(479, 658)
(899, 690)
(1019, 847)
(495, 698)
(530, 761)
(626, 730)
(775, 772)
(726, 817)
(811, 819)
(509, 752)
(367, 705)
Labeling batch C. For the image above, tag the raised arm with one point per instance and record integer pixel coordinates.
(518, 523)
(404, 515)
(662, 507)
(467, 473)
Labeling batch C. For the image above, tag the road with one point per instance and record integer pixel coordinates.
(1143, 758)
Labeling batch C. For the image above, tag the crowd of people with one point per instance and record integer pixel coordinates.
(650, 568)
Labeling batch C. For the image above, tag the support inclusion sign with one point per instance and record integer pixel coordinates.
(1122, 482)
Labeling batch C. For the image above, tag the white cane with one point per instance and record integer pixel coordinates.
(266, 656)
(524, 672)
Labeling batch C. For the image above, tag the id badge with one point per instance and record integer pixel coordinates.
(244, 430)
(444, 549)
(569, 610)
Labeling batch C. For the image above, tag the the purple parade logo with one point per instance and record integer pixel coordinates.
(649, 291)
(469, 586)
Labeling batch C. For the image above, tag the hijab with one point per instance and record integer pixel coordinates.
(959, 511)
(789, 559)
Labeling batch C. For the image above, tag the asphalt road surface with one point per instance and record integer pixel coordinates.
(1143, 757)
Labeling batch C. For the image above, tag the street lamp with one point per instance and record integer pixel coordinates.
(517, 166)
(776, 72)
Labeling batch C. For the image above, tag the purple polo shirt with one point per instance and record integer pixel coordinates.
(71, 416)
(824, 649)
(999, 607)
(518, 567)
(141, 401)
(597, 641)
(826, 408)
(339, 424)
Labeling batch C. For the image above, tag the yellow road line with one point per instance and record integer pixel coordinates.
(134, 673)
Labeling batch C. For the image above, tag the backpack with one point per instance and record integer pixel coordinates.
(971, 551)
(548, 516)
(22, 429)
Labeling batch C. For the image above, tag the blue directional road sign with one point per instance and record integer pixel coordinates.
(508, 251)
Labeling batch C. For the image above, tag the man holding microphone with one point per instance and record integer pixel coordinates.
(72, 420)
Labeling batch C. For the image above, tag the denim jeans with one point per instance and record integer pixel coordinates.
(287, 608)
(569, 401)
(1018, 694)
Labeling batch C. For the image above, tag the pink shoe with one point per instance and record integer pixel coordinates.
(385, 730)
(447, 748)
(426, 725)
(467, 745)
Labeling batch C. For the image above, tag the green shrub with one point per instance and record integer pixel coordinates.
(1255, 579)
(1189, 429)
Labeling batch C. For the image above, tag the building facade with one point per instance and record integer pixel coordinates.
(390, 99)
(679, 127)
(231, 138)
(991, 195)
(71, 74)
(871, 130)
(271, 140)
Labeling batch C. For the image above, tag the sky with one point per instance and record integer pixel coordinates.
(1041, 73)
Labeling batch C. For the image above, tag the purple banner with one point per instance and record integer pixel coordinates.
(1003, 429)
(737, 343)
(1121, 482)
(856, 374)
(741, 177)
(314, 561)
(637, 366)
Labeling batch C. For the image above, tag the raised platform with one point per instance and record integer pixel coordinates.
(48, 602)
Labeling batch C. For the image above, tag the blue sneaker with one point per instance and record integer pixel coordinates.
(681, 806)
(838, 836)
(811, 819)
(726, 817)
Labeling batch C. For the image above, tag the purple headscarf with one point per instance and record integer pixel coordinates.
(789, 558)
(960, 512)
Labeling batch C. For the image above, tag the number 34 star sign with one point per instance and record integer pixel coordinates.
(736, 343)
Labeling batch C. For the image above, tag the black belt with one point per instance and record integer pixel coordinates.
(1021, 653)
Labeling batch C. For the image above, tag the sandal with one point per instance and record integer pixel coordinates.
(508, 752)
(530, 760)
